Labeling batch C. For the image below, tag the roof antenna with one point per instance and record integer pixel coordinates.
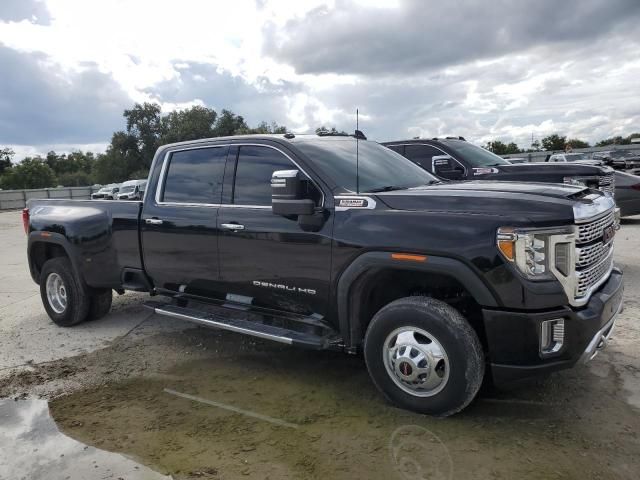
(357, 156)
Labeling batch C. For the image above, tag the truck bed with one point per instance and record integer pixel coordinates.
(103, 235)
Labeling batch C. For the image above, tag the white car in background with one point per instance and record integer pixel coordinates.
(132, 190)
(582, 158)
(108, 192)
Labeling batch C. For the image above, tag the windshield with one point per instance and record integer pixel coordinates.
(474, 155)
(127, 188)
(379, 167)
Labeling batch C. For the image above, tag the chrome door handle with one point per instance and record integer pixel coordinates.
(153, 221)
(232, 226)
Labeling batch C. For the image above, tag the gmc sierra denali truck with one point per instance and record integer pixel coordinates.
(453, 158)
(340, 243)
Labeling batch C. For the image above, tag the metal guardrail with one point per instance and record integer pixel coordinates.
(14, 199)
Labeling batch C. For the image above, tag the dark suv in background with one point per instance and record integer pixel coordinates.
(619, 159)
(453, 158)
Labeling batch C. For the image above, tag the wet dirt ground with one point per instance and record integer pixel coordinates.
(164, 400)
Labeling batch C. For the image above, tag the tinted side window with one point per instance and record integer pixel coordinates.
(421, 155)
(195, 176)
(253, 174)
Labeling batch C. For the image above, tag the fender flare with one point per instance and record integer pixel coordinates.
(55, 239)
(369, 261)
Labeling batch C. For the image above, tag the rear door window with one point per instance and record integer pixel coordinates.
(195, 176)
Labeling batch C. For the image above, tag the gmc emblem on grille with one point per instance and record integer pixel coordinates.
(608, 234)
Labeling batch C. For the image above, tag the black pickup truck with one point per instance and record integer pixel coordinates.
(340, 243)
(453, 158)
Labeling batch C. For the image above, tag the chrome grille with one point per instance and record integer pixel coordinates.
(594, 258)
(607, 183)
(591, 254)
(592, 275)
(593, 230)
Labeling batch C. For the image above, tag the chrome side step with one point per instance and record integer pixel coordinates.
(246, 327)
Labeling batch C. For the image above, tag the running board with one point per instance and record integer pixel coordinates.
(246, 327)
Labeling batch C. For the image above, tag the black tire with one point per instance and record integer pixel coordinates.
(100, 303)
(463, 367)
(77, 299)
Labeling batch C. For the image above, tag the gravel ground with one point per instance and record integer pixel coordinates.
(137, 396)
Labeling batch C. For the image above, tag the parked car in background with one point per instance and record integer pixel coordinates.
(453, 158)
(108, 192)
(132, 190)
(582, 158)
(628, 193)
(619, 159)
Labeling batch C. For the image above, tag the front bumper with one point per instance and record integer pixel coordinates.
(513, 337)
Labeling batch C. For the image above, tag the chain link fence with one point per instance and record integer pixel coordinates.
(15, 199)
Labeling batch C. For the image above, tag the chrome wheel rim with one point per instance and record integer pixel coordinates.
(416, 361)
(56, 293)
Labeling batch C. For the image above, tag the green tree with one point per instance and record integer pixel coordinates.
(577, 143)
(266, 129)
(554, 142)
(119, 161)
(617, 140)
(6, 154)
(501, 148)
(191, 124)
(229, 123)
(75, 162)
(30, 173)
(332, 131)
(75, 179)
(144, 123)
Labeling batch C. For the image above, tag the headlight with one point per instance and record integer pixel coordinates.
(538, 254)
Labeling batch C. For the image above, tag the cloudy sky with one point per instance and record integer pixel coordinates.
(504, 69)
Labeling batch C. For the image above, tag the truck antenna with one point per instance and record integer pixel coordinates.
(357, 156)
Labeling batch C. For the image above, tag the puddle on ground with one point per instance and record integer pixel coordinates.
(295, 414)
(32, 448)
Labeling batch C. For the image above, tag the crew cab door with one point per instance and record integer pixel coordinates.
(179, 230)
(265, 259)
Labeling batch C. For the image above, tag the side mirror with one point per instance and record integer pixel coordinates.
(286, 194)
(445, 166)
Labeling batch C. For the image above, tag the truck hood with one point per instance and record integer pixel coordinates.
(542, 202)
(571, 168)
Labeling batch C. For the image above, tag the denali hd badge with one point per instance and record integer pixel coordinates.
(280, 286)
(352, 202)
(484, 171)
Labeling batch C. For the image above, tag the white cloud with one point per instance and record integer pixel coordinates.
(505, 72)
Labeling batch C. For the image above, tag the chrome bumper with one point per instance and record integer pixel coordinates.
(600, 339)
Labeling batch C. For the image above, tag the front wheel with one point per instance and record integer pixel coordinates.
(424, 356)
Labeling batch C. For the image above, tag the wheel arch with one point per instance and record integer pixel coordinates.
(43, 247)
(358, 299)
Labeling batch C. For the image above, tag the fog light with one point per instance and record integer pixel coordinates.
(551, 336)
